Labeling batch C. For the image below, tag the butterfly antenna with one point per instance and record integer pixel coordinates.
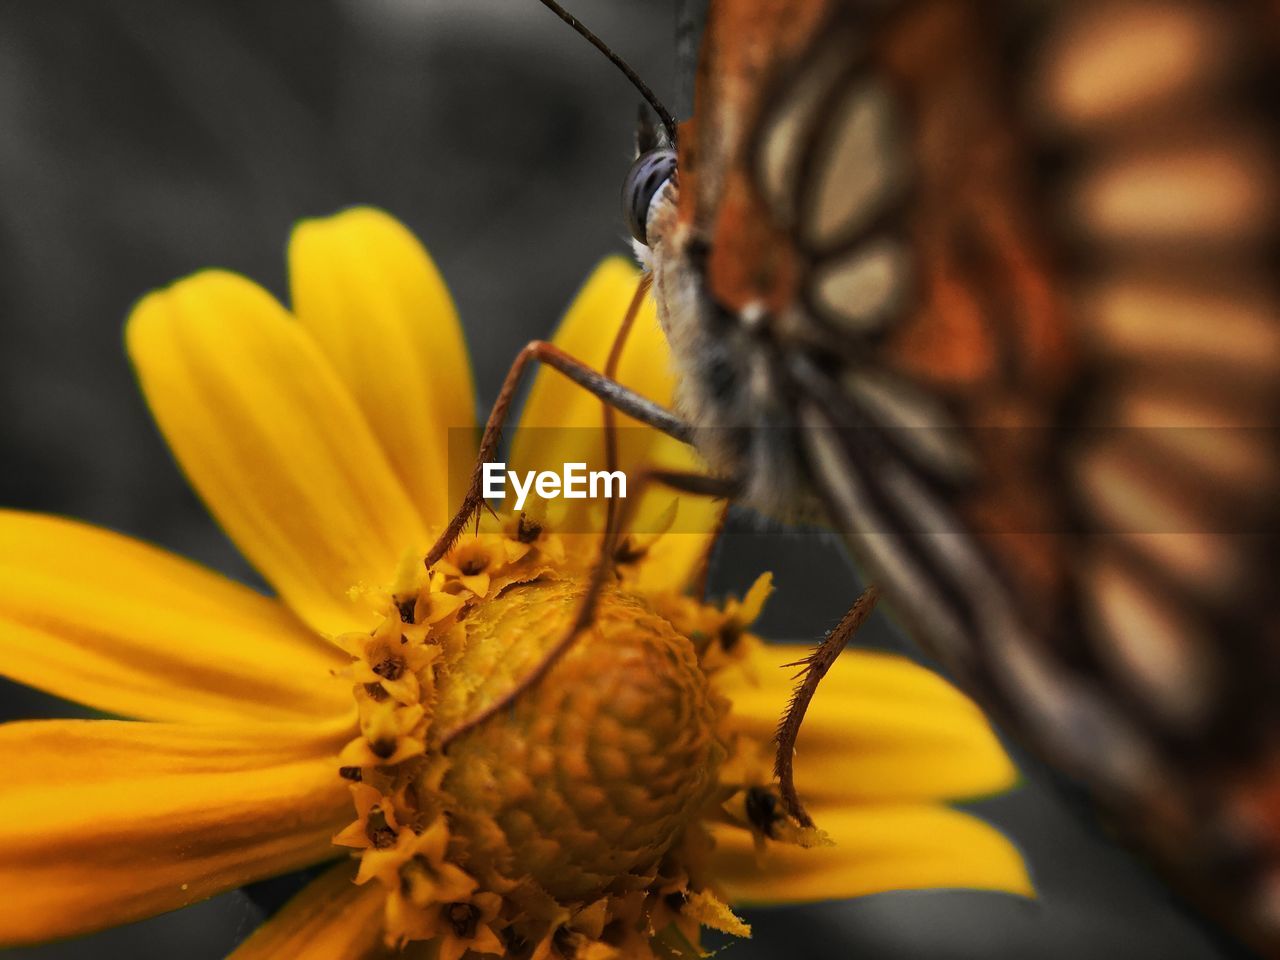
(663, 113)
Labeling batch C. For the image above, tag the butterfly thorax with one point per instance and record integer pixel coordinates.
(727, 356)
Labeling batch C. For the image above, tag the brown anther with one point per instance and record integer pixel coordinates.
(463, 917)
(565, 943)
(730, 633)
(354, 774)
(406, 609)
(375, 692)
(379, 831)
(474, 564)
(527, 530)
(517, 944)
(413, 798)
(390, 668)
(627, 552)
(763, 810)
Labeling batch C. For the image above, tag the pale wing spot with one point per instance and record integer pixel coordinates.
(1150, 645)
(790, 129)
(861, 290)
(1132, 498)
(1169, 459)
(1108, 61)
(1125, 491)
(1208, 429)
(860, 163)
(1167, 323)
(918, 421)
(1219, 190)
(1206, 564)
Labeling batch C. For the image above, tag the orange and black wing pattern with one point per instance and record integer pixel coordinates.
(1019, 264)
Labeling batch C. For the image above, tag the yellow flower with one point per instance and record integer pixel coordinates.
(625, 798)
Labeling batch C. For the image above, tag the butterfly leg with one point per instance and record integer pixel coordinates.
(814, 668)
(608, 390)
(691, 483)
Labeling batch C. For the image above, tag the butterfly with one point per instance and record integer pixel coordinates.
(993, 287)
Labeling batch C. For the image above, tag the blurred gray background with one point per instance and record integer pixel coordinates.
(142, 140)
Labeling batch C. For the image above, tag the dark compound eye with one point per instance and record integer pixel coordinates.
(645, 178)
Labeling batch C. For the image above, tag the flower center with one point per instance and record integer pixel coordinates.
(573, 816)
(585, 783)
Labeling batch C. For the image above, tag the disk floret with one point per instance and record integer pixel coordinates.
(571, 823)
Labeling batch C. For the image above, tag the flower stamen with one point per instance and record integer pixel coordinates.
(528, 530)
(390, 668)
(763, 810)
(380, 833)
(463, 918)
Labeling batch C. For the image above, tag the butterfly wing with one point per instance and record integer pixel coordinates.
(1018, 266)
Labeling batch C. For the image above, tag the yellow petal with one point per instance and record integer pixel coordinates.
(271, 439)
(116, 624)
(878, 848)
(587, 332)
(880, 728)
(753, 602)
(103, 822)
(370, 295)
(709, 911)
(330, 919)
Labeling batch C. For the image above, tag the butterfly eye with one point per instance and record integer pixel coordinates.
(646, 177)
